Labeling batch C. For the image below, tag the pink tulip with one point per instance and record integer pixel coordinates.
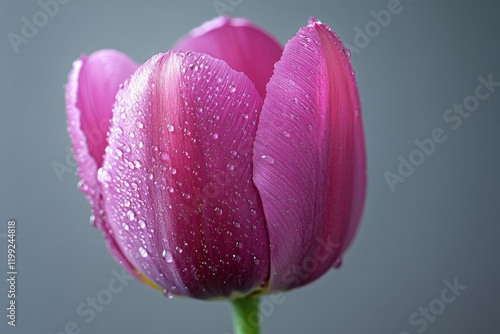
(231, 166)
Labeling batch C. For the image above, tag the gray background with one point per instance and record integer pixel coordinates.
(441, 223)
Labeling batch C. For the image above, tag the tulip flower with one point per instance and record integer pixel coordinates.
(227, 167)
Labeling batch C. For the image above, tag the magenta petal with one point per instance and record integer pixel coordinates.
(101, 75)
(178, 177)
(90, 93)
(309, 161)
(244, 46)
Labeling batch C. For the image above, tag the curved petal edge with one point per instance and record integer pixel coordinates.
(309, 157)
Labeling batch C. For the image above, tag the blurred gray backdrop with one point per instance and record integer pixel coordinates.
(426, 257)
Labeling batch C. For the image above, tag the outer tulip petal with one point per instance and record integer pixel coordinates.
(90, 92)
(309, 161)
(100, 76)
(244, 46)
(178, 177)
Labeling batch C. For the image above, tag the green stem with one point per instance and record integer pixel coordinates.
(246, 315)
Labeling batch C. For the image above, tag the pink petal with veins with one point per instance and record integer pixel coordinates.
(90, 93)
(178, 177)
(309, 158)
(244, 46)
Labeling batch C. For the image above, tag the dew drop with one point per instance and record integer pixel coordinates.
(347, 52)
(232, 87)
(142, 223)
(286, 134)
(130, 215)
(103, 175)
(253, 212)
(119, 152)
(338, 263)
(167, 256)
(125, 226)
(170, 128)
(218, 211)
(256, 260)
(268, 159)
(143, 252)
(214, 136)
(126, 203)
(173, 170)
(168, 294)
(236, 224)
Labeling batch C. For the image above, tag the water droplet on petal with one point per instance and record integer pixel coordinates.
(168, 294)
(268, 159)
(167, 256)
(130, 215)
(337, 263)
(232, 87)
(142, 223)
(347, 52)
(170, 128)
(143, 252)
(286, 134)
(218, 211)
(236, 224)
(214, 135)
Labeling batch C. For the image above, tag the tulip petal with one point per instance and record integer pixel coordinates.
(90, 93)
(309, 158)
(240, 43)
(178, 177)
